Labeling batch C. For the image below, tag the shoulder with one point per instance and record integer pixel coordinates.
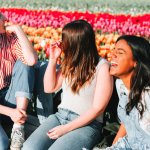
(103, 74)
(103, 63)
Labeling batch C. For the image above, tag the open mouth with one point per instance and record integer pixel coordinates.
(114, 64)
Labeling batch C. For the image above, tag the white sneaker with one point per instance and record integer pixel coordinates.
(17, 139)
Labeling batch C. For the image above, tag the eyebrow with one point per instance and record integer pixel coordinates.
(121, 49)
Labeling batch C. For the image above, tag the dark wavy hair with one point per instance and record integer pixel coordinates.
(141, 78)
(80, 53)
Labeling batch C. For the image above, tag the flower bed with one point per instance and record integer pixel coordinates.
(105, 22)
(44, 27)
(112, 6)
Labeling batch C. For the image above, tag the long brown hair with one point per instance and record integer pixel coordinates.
(81, 56)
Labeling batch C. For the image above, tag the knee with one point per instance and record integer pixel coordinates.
(22, 70)
(26, 146)
(21, 67)
(29, 146)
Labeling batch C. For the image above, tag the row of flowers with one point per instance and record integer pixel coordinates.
(111, 6)
(42, 38)
(106, 23)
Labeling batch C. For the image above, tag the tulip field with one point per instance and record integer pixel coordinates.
(43, 26)
(43, 20)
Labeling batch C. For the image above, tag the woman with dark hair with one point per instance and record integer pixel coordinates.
(87, 87)
(131, 64)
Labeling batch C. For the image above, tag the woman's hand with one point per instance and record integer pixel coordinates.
(55, 50)
(18, 115)
(57, 132)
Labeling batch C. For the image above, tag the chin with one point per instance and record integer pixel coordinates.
(112, 71)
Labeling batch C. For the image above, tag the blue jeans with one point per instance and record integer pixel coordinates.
(4, 141)
(23, 85)
(84, 137)
(44, 101)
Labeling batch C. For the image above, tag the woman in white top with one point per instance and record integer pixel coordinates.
(87, 87)
(131, 64)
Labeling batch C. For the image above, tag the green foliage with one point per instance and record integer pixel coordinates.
(133, 7)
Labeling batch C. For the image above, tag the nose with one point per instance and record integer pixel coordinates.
(113, 54)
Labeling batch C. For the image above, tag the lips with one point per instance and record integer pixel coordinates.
(114, 68)
(114, 64)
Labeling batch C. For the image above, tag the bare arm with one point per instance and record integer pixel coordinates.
(52, 79)
(5, 110)
(101, 99)
(28, 51)
(121, 133)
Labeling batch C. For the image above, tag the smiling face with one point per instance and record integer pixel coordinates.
(123, 63)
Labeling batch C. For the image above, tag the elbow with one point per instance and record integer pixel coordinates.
(98, 111)
(48, 90)
(102, 111)
(32, 61)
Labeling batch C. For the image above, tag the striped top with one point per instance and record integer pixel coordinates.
(10, 51)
